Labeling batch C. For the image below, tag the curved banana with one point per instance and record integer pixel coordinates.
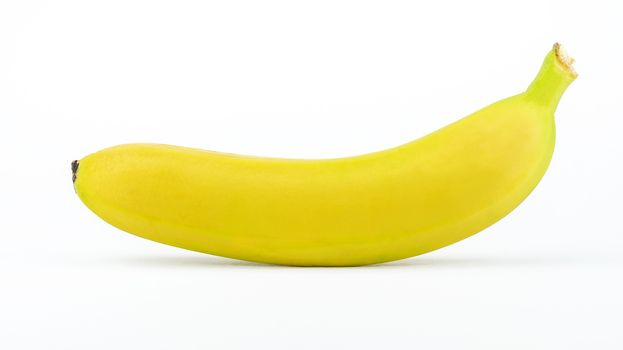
(372, 208)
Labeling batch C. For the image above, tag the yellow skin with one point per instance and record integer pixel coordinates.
(368, 209)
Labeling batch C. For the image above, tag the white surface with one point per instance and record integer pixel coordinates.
(303, 79)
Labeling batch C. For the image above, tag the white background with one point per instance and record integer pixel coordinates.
(303, 79)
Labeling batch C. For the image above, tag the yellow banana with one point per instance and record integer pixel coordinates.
(367, 209)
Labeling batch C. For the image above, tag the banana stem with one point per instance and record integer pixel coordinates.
(555, 76)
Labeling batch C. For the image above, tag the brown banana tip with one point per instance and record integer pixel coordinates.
(74, 170)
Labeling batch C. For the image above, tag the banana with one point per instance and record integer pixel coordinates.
(367, 209)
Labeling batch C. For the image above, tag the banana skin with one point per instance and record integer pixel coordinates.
(367, 209)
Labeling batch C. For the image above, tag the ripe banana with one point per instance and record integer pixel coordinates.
(367, 209)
